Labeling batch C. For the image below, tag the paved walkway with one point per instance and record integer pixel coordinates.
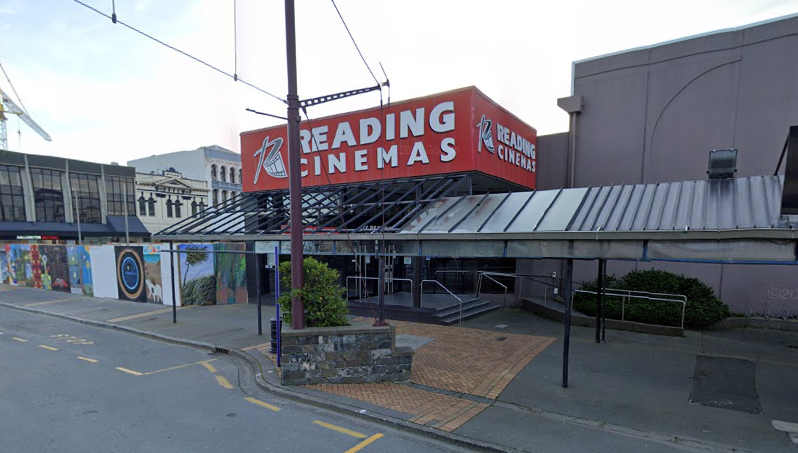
(460, 361)
(497, 379)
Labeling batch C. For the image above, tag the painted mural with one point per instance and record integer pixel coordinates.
(54, 268)
(80, 281)
(197, 277)
(130, 273)
(231, 274)
(152, 273)
(134, 273)
(35, 258)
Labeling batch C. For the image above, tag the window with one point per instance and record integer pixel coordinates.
(215, 197)
(12, 202)
(201, 207)
(85, 197)
(177, 208)
(240, 179)
(213, 172)
(169, 208)
(151, 206)
(48, 195)
(193, 208)
(232, 175)
(224, 198)
(223, 172)
(115, 187)
(142, 206)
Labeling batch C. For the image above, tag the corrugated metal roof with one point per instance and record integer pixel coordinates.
(706, 205)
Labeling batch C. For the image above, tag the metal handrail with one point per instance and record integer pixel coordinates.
(628, 294)
(479, 287)
(447, 290)
(356, 277)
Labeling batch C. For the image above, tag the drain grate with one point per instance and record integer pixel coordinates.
(219, 350)
(501, 338)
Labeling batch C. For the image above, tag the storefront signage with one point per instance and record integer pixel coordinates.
(36, 237)
(452, 132)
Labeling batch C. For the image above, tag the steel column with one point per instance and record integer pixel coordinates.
(569, 274)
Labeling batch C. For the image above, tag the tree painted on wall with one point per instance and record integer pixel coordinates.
(194, 258)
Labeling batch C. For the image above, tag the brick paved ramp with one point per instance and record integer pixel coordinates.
(459, 361)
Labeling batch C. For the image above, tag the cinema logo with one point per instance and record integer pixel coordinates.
(513, 148)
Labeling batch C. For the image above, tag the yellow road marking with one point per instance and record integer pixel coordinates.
(262, 404)
(125, 370)
(348, 432)
(49, 348)
(143, 315)
(361, 445)
(87, 359)
(19, 339)
(182, 366)
(208, 366)
(224, 382)
(47, 302)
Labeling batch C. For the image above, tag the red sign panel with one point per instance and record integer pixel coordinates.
(454, 132)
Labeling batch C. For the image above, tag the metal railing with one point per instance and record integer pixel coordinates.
(360, 287)
(626, 294)
(447, 290)
(488, 276)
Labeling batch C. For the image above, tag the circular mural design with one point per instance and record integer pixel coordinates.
(129, 273)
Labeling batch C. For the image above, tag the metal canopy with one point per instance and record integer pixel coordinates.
(371, 207)
(729, 220)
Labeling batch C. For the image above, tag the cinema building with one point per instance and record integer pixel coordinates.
(463, 197)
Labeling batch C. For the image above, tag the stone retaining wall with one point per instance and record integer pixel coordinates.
(343, 355)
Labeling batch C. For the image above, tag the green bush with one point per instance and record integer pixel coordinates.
(703, 308)
(325, 304)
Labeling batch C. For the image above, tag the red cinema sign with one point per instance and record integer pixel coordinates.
(454, 132)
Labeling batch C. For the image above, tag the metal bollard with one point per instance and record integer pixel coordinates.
(273, 335)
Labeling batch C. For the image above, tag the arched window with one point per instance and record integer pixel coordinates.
(223, 174)
(240, 179)
(232, 175)
(142, 205)
(213, 172)
(169, 204)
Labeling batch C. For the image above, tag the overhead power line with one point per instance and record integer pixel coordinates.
(355, 43)
(234, 77)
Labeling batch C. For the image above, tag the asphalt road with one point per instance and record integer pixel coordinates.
(69, 387)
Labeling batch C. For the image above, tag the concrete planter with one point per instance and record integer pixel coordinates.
(351, 354)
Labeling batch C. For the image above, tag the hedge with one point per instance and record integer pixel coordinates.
(323, 297)
(703, 307)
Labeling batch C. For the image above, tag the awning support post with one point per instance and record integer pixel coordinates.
(569, 273)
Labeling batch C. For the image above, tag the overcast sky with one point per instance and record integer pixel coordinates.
(106, 94)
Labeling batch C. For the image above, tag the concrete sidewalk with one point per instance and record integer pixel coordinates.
(497, 379)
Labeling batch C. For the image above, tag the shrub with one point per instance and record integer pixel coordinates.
(703, 308)
(325, 304)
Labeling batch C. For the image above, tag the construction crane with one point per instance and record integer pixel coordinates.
(9, 107)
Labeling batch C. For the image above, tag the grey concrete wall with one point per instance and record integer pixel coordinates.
(552, 157)
(654, 114)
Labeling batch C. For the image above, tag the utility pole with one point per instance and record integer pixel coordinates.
(294, 174)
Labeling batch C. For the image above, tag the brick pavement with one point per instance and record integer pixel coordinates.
(461, 360)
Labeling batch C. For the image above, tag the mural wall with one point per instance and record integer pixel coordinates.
(231, 274)
(80, 270)
(130, 273)
(197, 276)
(203, 274)
(152, 273)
